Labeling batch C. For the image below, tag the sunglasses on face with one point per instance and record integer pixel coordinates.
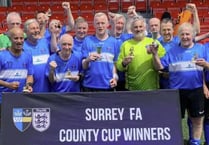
(57, 26)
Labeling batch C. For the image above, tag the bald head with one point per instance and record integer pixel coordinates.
(15, 31)
(16, 36)
(65, 38)
(66, 44)
(154, 25)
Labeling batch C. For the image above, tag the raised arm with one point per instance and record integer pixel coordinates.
(70, 19)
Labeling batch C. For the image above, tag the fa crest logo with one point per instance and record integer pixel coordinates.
(40, 118)
(22, 118)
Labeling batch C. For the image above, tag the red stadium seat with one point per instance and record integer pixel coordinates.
(45, 2)
(89, 17)
(141, 6)
(43, 7)
(86, 2)
(154, 4)
(203, 11)
(31, 2)
(87, 8)
(17, 8)
(17, 2)
(114, 5)
(3, 11)
(125, 4)
(57, 2)
(100, 7)
(26, 16)
(157, 12)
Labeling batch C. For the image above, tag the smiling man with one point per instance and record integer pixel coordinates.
(63, 67)
(39, 49)
(99, 56)
(135, 60)
(16, 70)
(186, 74)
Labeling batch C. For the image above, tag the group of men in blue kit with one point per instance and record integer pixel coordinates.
(43, 57)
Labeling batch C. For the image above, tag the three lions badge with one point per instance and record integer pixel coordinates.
(39, 117)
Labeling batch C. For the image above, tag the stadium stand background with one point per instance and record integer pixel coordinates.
(87, 9)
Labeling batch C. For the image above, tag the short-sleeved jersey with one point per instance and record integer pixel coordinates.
(140, 73)
(61, 83)
(167, 45)
(123, 37)
(4, 41)
(40, 53)
(183, 73)
(100, 72)
(15, 68)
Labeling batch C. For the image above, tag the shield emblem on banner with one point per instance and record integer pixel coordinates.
(22, 118)
(41, 119)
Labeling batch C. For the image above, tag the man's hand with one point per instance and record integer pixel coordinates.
(127, 60)
(113, 83)
(53, 65)
(66, 5)
(14, 85)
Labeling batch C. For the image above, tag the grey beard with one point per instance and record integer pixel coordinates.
(139, 35)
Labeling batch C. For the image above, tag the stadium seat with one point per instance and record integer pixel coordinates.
(91, 30)
(168, 0)
(26, 16)
(125, 4)
(141, 5)
(86, 2)
(100, 7)
(3, 11)
(154, 4)
(86, 8)
(45, 2)
(31, 2)
(89, 17)
(75, 8)
(57, 2)
(75, 15)
(157, 12)
(206, 20)
(17, 8)
(151, 2)
(114, 5)
(174, 11)
(57, 9)
(17, 2)
(43, 7)
(77, 2)
(30, 9)
(203, 11)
